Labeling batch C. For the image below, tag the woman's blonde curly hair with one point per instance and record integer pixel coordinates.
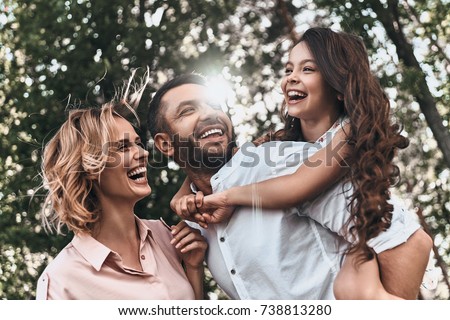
(75, 157)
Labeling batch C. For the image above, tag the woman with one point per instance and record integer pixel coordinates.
(95, 169)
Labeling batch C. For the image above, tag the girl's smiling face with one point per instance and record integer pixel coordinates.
(307, 95)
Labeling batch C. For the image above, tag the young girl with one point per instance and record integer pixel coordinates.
(328, 84)
(95, 168)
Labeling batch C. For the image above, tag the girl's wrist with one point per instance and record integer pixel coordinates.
(238, 196)
(232, 196)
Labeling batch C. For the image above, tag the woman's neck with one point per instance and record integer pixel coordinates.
(117, 221)
(117, 229)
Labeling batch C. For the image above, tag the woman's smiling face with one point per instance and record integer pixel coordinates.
(125, 175)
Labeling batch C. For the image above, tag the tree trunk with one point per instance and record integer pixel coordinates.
(287, 17)
(390, 19)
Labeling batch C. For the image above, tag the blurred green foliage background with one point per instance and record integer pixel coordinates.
(56, 54)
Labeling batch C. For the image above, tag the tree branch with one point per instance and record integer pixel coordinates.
(287, 17)
(390, 19)
(433, 40)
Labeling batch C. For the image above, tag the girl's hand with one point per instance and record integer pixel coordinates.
(215, 208)
(190, 244)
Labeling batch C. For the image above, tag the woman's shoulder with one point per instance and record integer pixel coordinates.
(65, 262)
(158, 227)
(161, 234)
(158, 224)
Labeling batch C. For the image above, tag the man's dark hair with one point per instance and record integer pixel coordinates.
(155, 120)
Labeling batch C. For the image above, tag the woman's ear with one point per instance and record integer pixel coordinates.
(164, 144)
(340, 97)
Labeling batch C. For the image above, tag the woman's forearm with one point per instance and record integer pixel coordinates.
(195, 277)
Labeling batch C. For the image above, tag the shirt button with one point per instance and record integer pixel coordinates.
(222, 239)
(143, 257)
(233, 271)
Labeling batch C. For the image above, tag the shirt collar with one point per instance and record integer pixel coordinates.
(95, 252)
(144, 230)
(326, 138)
(193, 188)
(90, 249)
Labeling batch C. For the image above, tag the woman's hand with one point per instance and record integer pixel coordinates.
(190, 244)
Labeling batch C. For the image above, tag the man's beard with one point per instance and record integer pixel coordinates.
(211, 157)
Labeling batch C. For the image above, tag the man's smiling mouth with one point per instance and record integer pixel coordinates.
(212, 132)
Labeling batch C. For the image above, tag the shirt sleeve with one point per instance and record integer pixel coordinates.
(42, 287)
(331, 211)
(403, 224)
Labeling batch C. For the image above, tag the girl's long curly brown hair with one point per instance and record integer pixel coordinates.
(343, 61)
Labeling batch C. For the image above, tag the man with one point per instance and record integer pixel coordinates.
(257, 254)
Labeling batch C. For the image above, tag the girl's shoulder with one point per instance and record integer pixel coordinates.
(330, 133)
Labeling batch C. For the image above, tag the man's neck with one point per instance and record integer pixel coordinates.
(201, 179)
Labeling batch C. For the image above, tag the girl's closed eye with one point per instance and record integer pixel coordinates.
(287, 71)
(126, 146)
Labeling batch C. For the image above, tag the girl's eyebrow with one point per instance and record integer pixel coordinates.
(308, 60)
(304, 61)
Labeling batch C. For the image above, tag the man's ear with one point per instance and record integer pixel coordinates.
(164, 144)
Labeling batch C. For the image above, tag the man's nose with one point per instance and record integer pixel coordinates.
(207, 110)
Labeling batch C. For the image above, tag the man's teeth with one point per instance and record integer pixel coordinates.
(136, 172)
(210, 132)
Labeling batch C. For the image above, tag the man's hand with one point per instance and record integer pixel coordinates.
(187, 207)
(190, 244)
(213, 208)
